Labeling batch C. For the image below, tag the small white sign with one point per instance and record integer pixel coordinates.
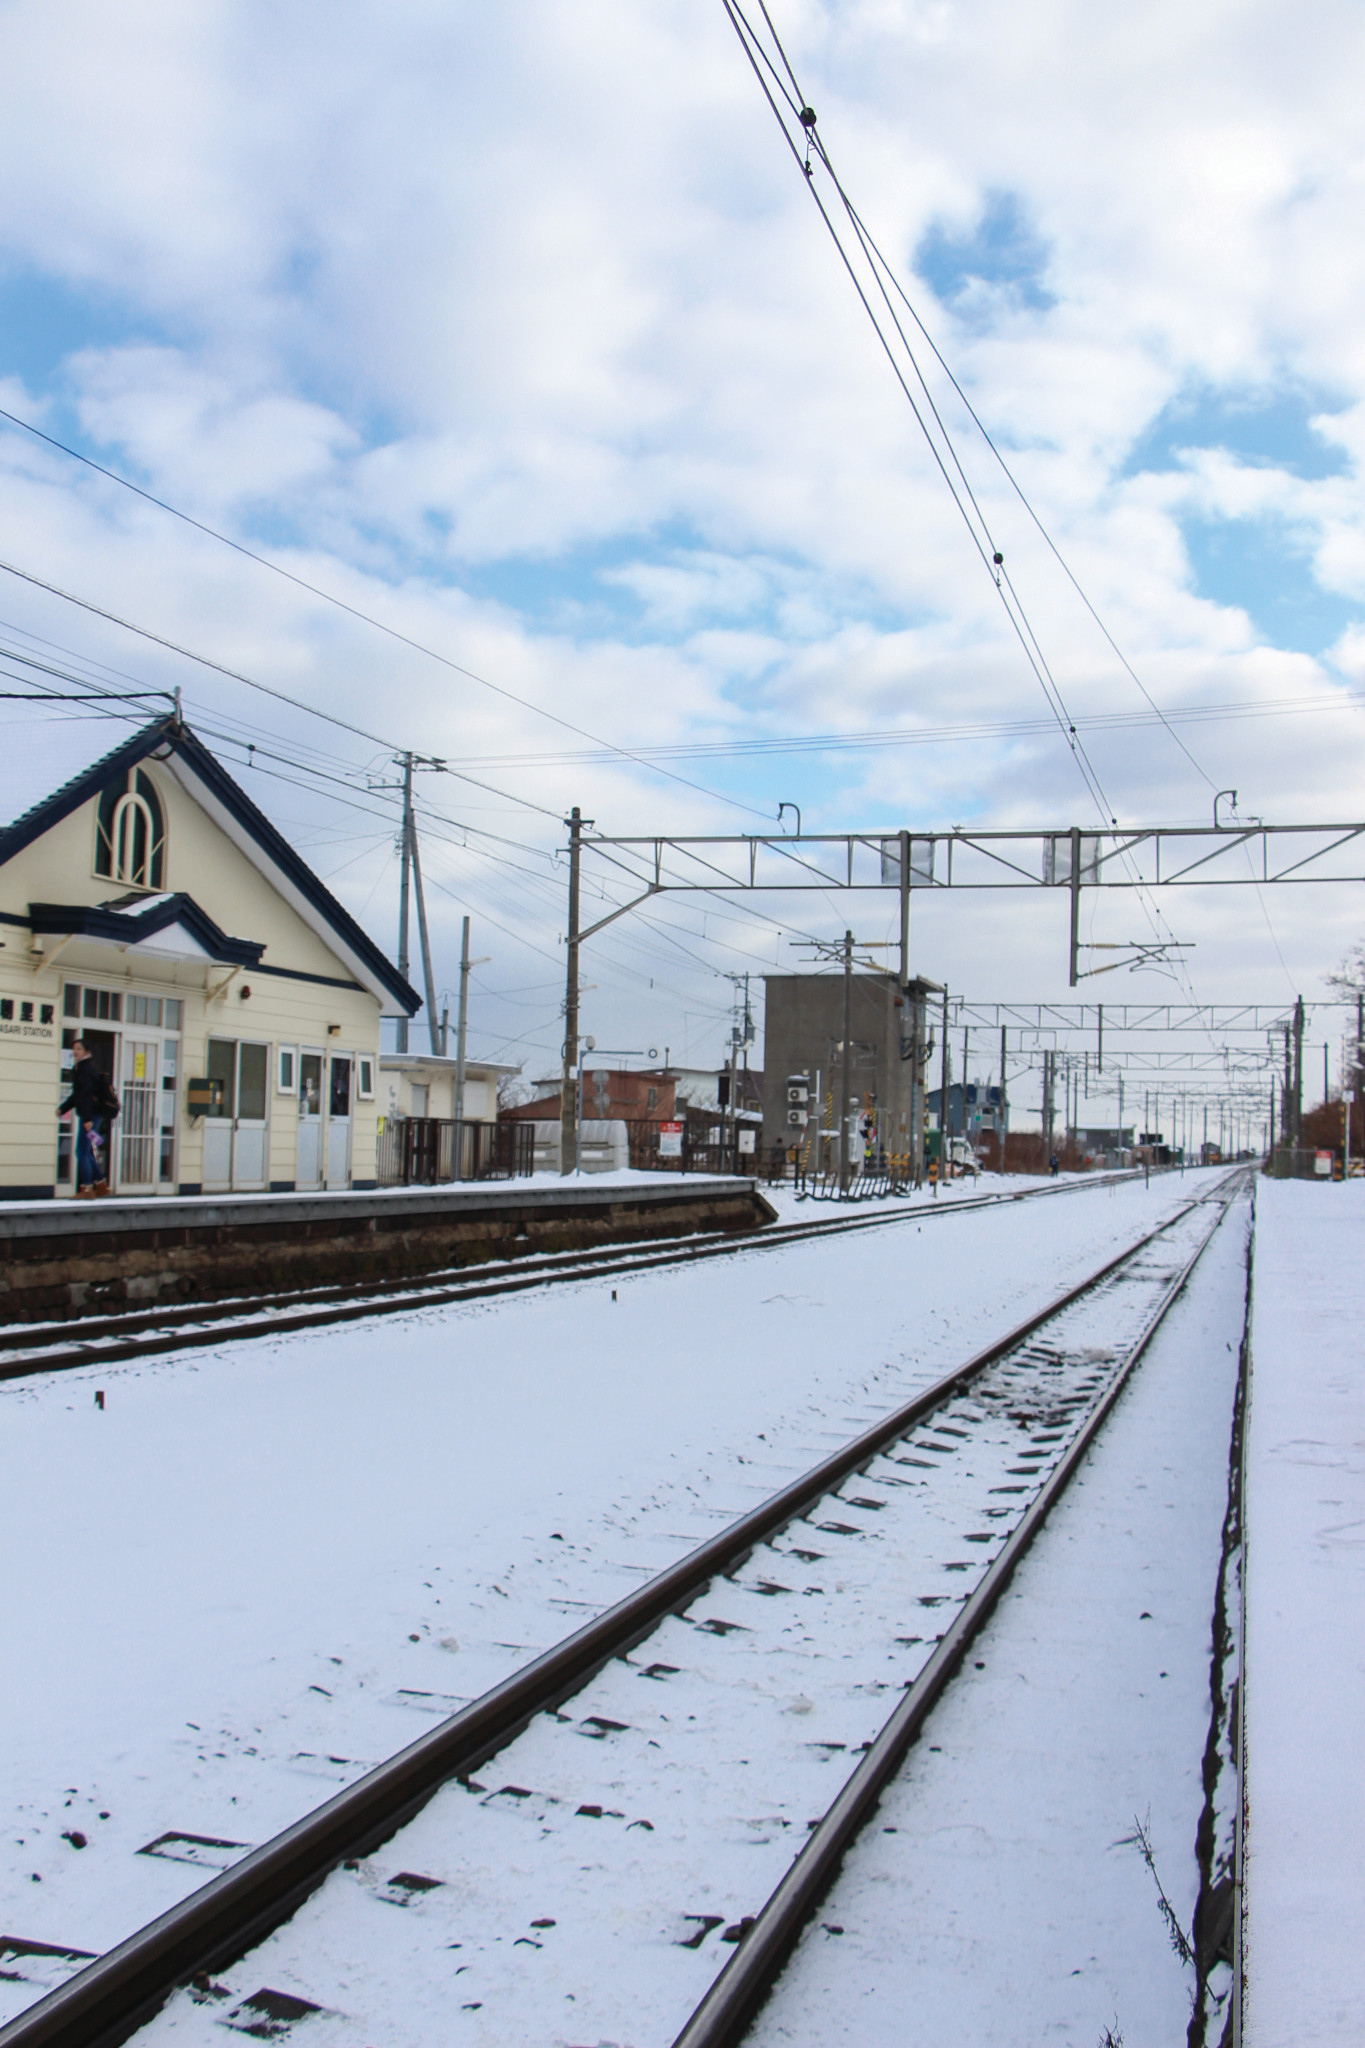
(670, 1141)
(747, 1137)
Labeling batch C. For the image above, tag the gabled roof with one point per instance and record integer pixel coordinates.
(134, 920)
(204, 778)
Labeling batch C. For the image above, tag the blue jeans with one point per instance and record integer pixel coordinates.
(90, 1161)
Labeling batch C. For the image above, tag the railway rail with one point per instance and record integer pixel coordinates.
(623, 1846)
(28, 1348)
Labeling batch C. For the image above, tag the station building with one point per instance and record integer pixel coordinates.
(149, 907)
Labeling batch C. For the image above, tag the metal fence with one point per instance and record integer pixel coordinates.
(421, 1151)
(706, 1143)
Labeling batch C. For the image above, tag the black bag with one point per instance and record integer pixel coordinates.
(109, 1104)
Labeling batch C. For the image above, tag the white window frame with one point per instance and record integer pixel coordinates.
(283, 1053)
(364, 1069)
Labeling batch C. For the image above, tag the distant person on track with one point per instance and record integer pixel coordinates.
(94, 1102)
(933, 1178)
(1054, 1163)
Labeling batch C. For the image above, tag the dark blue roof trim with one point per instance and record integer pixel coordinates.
(297, 974)
(178, 739)
(14, 838)
(127, 927)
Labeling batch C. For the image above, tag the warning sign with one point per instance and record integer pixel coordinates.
(670, 1141)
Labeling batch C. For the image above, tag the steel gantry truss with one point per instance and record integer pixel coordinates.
(1246, 854)
(1242, 853)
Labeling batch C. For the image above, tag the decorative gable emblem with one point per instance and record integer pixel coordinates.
(130, 832)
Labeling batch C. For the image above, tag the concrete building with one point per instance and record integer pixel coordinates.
(889, 1041)
(246, 1062)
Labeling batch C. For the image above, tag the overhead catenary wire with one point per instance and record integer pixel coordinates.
(618, 751)
(965, 499)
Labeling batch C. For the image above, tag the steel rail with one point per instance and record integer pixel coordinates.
(188, 1326)
(723, 2016)
(103, 2003)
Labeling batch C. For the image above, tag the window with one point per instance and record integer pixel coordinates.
(103, 1003)
(130, 832)
(365, 1087)
(284, 1078)
(144, 1010)
(173, 1011)
(71, 1000)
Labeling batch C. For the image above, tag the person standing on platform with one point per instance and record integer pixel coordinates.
(94, 1102)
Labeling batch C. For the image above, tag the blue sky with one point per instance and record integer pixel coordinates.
(591, 409)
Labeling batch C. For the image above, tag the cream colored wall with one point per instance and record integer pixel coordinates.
(480, 1092)
(204, 863)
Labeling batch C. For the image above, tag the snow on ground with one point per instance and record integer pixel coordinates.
(264, 1566)
(1304, 1901)
(995, 1898)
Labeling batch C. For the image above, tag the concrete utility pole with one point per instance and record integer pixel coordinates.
(944, 1073)
(846, 1064)
(462, 1023)
(568, 1102)
(410, 871)
(427, 977)
(403, 884)
(1298, 1071)
(965, 1071)
(1004, 1121)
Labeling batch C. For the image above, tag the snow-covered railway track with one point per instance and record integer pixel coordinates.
(656, 1772)
(96, 1340)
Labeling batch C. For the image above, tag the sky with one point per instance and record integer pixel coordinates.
(517, 331)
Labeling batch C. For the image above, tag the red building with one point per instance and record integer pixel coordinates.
(610, 1092)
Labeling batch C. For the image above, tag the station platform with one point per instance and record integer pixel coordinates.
(68, 1258)
(1303, 1788)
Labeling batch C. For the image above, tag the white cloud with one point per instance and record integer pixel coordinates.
(520, 332)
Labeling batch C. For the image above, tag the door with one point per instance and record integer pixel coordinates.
(222, 1066)
(235, 1140)
(309, 1174)
(339, 1121)
(250, 1139)
(138, 1128)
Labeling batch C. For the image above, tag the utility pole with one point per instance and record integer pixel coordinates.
(427, 976)
(403, 890)
(568, 1103)
(944, 1070)
(1298, 1071)
(1004, 1102)
(905, 911)
(462, 1023)
(410, 871)
(846, 1066)
(966, 1039)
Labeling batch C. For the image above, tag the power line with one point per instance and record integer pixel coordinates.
(329, 597)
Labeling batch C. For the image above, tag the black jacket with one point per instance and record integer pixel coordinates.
(91, 1095)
